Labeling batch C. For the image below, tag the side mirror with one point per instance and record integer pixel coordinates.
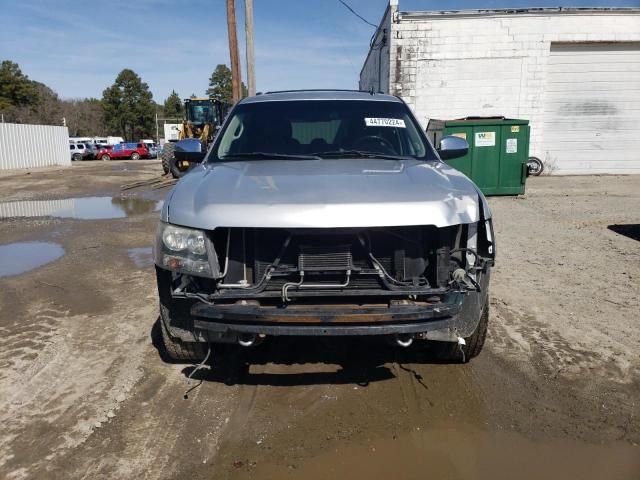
(190, 150)
(452, 147)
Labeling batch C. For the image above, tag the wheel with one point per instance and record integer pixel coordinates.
(175, 171)
(169, 161)
(176, 349)
(135, 156)
(167, 156)
(535, 166)
(76, 157)
(175, 316)
(450, 352)
(105, 158)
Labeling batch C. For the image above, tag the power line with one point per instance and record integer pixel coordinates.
(357, 14)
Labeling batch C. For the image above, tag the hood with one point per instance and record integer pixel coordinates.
(323, 194)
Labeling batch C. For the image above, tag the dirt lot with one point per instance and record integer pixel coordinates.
(84, 393)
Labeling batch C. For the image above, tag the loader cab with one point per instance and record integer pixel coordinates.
(201, 111)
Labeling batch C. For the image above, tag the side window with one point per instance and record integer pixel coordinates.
(72, 147)
(230, 141)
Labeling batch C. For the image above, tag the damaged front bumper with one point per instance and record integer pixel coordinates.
(443, 321)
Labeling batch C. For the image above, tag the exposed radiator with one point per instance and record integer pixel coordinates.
(325, 258)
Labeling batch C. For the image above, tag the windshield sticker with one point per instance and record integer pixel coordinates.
(384, 122)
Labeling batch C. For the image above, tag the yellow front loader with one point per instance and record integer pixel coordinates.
(202, 116)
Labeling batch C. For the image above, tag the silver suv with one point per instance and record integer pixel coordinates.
(79, 151)
(324, 213)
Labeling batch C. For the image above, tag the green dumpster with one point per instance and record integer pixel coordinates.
(498, 151)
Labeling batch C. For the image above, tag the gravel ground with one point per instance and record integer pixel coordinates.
(85, 393)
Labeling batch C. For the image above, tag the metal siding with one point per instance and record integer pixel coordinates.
(31, 146)
(34, 208)
(592, 108)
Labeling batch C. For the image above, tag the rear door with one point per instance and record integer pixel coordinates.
(117, 151)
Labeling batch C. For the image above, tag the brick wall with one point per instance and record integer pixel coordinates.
(454, 65)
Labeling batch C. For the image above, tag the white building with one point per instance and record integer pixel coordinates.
(33, 146)
(574, 73)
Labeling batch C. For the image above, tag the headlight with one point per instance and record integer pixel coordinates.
(182, 250)
(178, 239)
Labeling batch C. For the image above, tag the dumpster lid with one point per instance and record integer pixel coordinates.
(489, 120)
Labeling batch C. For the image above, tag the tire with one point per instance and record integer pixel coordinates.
(535, 166)
(175, 171)
(76, 157)
(177, 350)
(175, 316)
(450, 352)
(135, 156)
(105, 158)
(169, 160)
(167, 156)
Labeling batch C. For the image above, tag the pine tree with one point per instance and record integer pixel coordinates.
(173, 106)
(220, 85)
(129, 107)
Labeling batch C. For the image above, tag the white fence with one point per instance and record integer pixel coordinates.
(29, 146)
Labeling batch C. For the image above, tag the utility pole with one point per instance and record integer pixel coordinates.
(157, 130)
(248, 30)
(233, 50)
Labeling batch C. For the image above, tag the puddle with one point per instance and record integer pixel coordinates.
(21, 257)
(142, 257)
(81, 208)
(456, 453)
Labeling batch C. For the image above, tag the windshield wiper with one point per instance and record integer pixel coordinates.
(268, 156)
(360, 154)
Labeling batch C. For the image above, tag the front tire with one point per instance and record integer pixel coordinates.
(169, 161)
(175, 317)
(76, 157)
(167, 156)
(453, 352)
(177, 350)
(105, 158)
(135, 156)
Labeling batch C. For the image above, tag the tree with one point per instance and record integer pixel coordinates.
(85, 117)
(33, 102)
(220, 85)
(16, 90)
(129, 107)
(173, 106)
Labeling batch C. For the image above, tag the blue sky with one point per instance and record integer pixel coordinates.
(77, 47)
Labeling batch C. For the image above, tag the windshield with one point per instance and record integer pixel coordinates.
(321, 129)
(201, 113)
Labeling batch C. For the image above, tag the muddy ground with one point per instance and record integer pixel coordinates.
(85, 393)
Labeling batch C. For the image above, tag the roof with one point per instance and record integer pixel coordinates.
(518, 11)
(292, 95)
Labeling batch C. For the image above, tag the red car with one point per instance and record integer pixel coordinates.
(104, 153)
(134, 151)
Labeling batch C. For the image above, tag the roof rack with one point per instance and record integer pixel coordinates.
(321, 90)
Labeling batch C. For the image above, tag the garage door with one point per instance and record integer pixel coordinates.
(592, 108)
